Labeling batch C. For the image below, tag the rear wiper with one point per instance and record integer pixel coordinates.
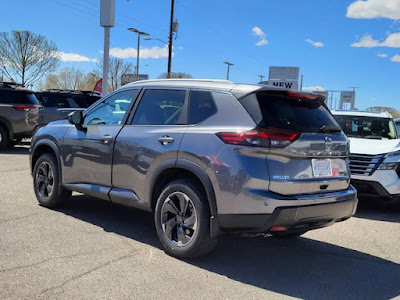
(330, 128)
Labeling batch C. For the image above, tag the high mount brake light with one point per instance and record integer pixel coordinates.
(302, 95)
(24, 107)
(259, 137)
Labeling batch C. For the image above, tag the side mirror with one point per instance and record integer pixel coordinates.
(76, 118)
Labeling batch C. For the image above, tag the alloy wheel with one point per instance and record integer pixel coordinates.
(179, 219)
(45, 180)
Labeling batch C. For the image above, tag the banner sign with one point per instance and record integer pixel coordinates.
(284, 73)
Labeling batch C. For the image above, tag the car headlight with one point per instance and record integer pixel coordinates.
(391, 161)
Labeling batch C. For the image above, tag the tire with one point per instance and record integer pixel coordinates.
(4, 138)
(184, 231)
(46, 182)
(289, 235)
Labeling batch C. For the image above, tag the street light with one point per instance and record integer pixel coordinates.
(261, 77)
(228, 64)
(149, 39)
(138, 48)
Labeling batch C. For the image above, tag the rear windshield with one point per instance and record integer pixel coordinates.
(17, 97)
(367, 127)
(275, 110)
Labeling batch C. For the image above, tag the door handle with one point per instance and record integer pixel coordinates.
(166, 140)
(106, 138)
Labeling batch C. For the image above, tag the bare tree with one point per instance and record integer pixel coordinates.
(117, 68)
(69, 79)
(175, 75)
(25, 56)
(394, 112)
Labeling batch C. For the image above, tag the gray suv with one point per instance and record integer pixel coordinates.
(206, 156)
(19, 113)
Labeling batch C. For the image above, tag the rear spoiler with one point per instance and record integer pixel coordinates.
(239, 93)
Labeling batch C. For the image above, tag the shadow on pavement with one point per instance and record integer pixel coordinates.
(372, 209)
(18, 149)
(302, 267)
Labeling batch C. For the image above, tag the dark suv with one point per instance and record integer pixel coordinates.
(58, 104)
(206, 156)
(19, 113)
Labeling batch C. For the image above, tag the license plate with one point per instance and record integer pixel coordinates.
(321, 167)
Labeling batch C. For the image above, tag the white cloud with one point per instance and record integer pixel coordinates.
(154, 52)
(257, 31)
(396, 58)
(382, 55)
(315, 44)
(74, 57)
(314, 88)
(370, 9)
(367, 41)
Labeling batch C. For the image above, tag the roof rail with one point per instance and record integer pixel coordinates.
(78, 92)
(10, 84)
(180, 80)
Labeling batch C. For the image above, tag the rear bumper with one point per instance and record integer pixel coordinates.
(294, 218)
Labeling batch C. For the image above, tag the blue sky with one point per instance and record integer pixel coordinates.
(337, 44)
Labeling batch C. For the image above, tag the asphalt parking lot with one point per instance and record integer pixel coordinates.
(92, 249)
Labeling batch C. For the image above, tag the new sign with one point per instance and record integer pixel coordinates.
(293, 85)
(284, 77)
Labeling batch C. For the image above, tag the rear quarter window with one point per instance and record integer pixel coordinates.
(276, 110)
(201, 106)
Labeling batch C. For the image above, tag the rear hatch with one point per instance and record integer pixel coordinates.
(26, 103)
(307, 149)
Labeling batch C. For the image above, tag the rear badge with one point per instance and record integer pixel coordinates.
(280, 177)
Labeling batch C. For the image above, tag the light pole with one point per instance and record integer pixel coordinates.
(150, 38)
(138, 48)
(228, 64)
(261, 77)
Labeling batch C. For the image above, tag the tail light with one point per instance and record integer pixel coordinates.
(260, 137)
(24, 107)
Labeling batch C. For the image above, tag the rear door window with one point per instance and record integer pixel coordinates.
(201, 106)
(278, 111)
(161, 107)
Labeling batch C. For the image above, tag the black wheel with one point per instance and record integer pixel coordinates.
(289, 235)
(4, 139)
(182, 220)
(46, 182)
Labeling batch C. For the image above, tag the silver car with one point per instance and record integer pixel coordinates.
(206, 156)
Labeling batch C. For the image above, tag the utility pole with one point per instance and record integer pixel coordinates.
(331, 105)
(228, 64)
(171, 30)
(301, 82)
(261, 77)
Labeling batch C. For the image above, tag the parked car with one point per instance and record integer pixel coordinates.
(19, 113)
(374, 153)
(206, 156)
(58, 104)
(397, 121)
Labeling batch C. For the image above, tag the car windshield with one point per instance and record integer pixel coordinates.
(398, 126)
(367, 127)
